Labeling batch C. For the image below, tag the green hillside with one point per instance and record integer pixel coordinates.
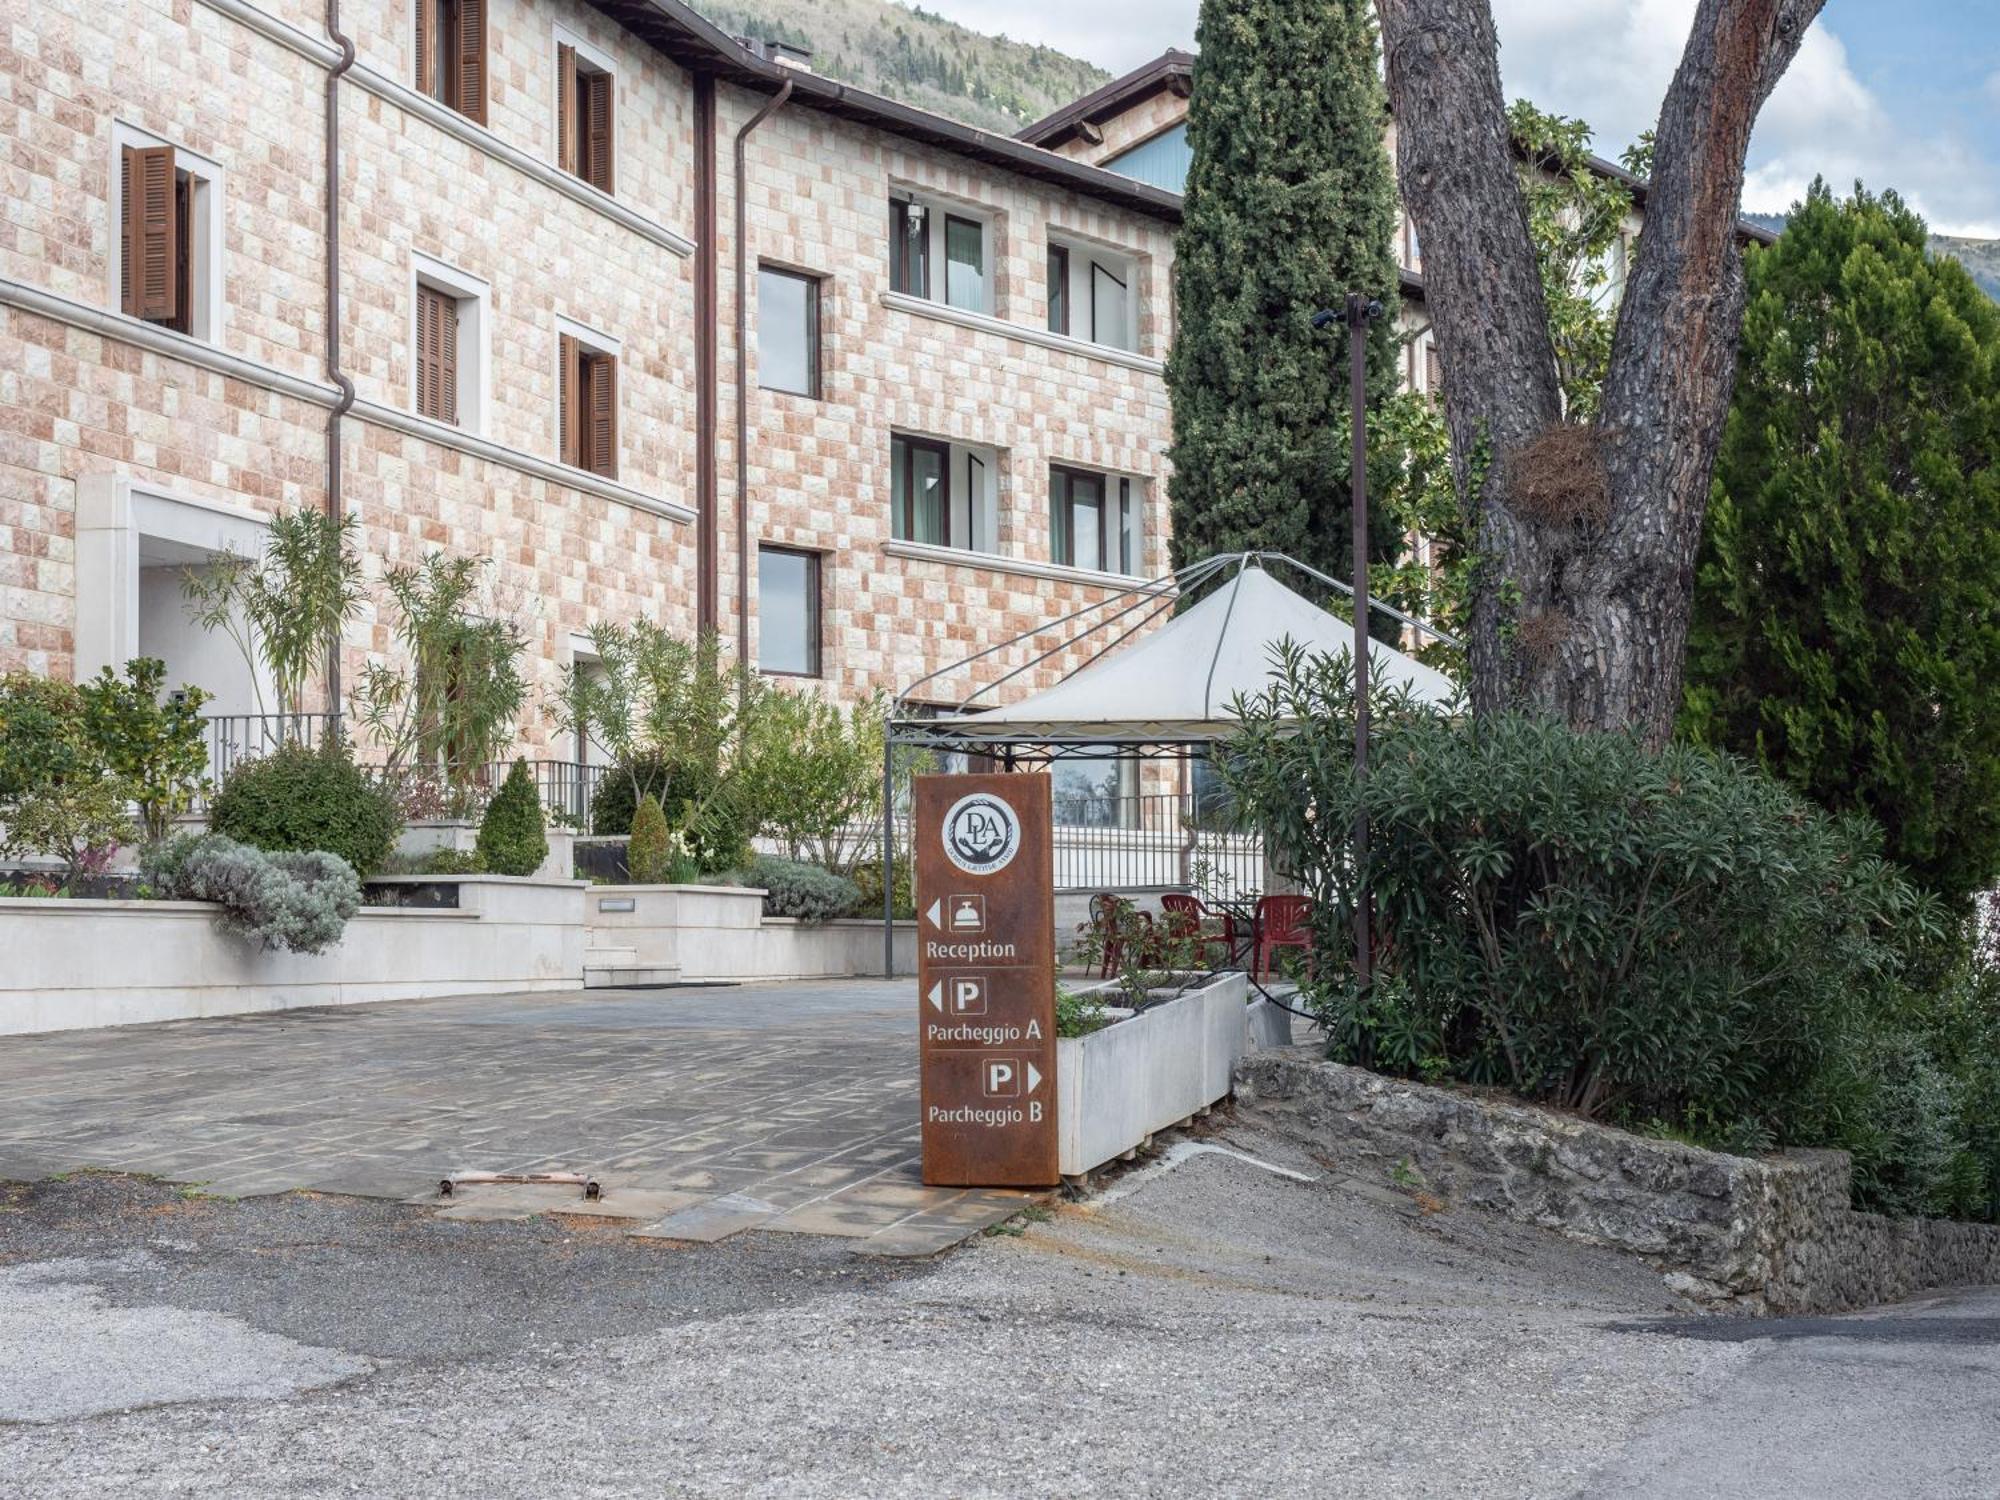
(916, 57)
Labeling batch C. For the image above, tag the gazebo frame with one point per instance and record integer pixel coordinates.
(1149, 599)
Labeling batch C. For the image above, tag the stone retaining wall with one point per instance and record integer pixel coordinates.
(1759, 1235)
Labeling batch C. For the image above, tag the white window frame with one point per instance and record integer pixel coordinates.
(209, 314)
(596, 343)
(475, 364)
(586, 52)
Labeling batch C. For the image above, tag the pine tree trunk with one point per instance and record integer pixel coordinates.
(1585, 620)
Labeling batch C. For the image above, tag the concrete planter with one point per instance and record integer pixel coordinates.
(461, 835)
(112, 963)
(694, 934)
(1134, 1078)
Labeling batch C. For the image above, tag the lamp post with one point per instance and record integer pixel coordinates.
(1359, 311)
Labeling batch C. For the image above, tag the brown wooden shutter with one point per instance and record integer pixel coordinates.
(471, 40)
(447, 358)
(127, 302)
(152, 242)
(1433, 373)
(427, 47)
(602, 372)
(597, 130)
(569, 402)
(566, 106)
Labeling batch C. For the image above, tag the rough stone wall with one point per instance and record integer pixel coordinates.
(1757, 1235)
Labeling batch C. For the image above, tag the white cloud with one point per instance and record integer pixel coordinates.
(1609, 62)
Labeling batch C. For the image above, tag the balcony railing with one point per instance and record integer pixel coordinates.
(235, 738)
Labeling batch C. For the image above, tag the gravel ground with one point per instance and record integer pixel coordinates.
(1214, 1330)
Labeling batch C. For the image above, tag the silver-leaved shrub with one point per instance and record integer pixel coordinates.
(297, 901)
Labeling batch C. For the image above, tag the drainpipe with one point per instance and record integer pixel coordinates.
(776, 103)
(705, 377)
(333, 370)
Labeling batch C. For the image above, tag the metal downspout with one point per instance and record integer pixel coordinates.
(334, 373)
(771, 107)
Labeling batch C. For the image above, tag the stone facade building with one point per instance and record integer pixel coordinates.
(536, 353)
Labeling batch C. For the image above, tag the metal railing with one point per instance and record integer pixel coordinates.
(1157, 840)
(235, 738)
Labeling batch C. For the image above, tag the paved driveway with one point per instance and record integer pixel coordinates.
(703, 1111)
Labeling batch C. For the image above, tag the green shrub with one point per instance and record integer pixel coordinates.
(713, 825)
(299, 901)
(59, 795)
(302, 800)
(650, 853)
(1634, 935)
(511, 838)
(867, 878)
(151, 739)
(451, 862)
(797, 890)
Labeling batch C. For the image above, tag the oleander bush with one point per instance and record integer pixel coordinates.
(512, 839)
(867, 878)
(299, 901)
(792, 889)
(301, 800)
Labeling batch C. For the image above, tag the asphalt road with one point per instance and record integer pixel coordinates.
(1210, 1328)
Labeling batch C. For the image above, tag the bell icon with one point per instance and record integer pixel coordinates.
(965, 914)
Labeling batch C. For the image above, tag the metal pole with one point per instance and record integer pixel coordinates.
(889, 853)
(1359, 311)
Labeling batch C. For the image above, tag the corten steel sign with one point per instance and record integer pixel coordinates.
(986, 992)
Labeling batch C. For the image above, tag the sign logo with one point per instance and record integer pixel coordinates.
(981, 835)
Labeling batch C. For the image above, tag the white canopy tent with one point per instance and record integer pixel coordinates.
(1175, 686)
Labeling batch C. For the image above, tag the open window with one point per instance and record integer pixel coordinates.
(940, 252)
(451, 54)
(586, 133)
(1092, 294)
(168, 207)
(447, 342)
(943, 494)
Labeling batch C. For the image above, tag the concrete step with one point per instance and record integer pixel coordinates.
(620, 969)
(607, 956)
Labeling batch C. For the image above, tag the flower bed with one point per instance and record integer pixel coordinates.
(1118, 1085)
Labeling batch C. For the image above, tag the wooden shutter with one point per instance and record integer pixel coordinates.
(427, 47)
(597, 130)
(569, 402)
(426, 351)
(447, 358)
(1433, 373)
(601, 437)
(566, 106)
(471, 70)
(151, 278)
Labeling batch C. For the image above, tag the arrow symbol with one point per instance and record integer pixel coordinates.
(931, 911)
(937, 997)
(1034, 1078)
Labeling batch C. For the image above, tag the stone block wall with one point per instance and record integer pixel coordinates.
(1757, 1235)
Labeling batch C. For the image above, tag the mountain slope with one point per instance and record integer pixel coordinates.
(916, 57)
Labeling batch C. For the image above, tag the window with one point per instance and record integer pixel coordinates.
(1433, 373)
(943, 494)
(584, 130)
(920, 490)
(437, 355)
(788, 611)
(1058, 289)
(451, 54)
(1163, 161)
(1095, 791)
(788, 331)
(156, 249)
(1110, 307)
(588, 405)
(909, 248)
(1094, 520)
(965, 263)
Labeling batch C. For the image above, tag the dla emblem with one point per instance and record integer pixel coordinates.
(981, 834)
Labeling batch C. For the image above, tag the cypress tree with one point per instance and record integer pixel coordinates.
(1846, 633)
(1290, 205)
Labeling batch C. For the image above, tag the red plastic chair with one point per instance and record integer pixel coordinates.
(1183, 917)
(1282, 922)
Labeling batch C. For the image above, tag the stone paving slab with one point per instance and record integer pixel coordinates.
(705, 1111)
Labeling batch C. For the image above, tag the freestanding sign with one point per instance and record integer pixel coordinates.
(986, 992)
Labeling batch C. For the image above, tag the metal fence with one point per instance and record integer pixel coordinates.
(236, 738)
(1157, 840)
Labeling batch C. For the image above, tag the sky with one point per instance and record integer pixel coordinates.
(1901, 94)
